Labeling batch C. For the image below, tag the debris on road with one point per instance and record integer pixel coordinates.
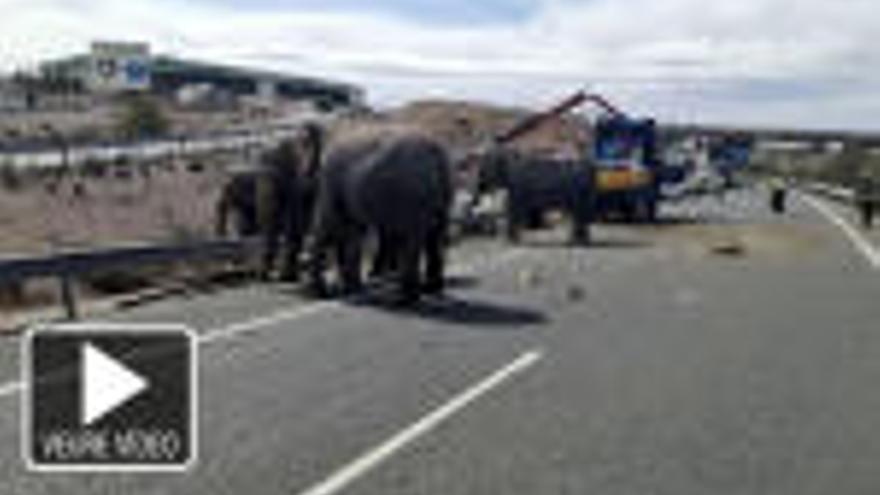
(575, 293)
(743, 240)
(531, 278)
(729, 247)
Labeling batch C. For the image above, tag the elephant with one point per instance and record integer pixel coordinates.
(276, 201)
(394, 184)
(238, 200)
(536, 184)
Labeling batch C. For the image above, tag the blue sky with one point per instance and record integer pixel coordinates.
(807, 63)
(449, 12)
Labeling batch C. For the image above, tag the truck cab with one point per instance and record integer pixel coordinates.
(627, 167)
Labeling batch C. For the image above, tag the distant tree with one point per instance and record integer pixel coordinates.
(142, 117)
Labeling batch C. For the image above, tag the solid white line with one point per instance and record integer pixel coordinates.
(372, 458)
(858, 240)
(236, 329)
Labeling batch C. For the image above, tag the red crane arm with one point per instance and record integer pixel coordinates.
(534, 121)
(604, 104)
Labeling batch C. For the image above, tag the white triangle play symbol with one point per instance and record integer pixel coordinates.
(107, 384)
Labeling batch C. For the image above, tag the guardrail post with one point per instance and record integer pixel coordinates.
(68, 297)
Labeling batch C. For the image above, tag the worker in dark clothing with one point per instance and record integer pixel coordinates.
(867, 199)
(778, 193)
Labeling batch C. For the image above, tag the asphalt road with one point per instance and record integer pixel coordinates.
(728, 351)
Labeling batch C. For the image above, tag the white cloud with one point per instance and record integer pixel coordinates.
(679, 59)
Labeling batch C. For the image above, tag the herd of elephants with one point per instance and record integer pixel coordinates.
(393, 185)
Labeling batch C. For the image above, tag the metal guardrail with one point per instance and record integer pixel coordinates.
(53, 157)
(67, 266)
(62, 153)
(837, 193)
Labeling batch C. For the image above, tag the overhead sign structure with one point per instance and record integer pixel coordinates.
(109, 397)
(120, 66)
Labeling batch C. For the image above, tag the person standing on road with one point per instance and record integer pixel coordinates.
(778, 193)
(867, 199)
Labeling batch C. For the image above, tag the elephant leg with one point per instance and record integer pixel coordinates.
(514, 218)
(295, 234)
(290, 270)
(245, 221)
(244, 226)
(221, 216)
(535, 218)
(435, 260)
(317, 283)
(580, 234)
(272, 241)
(581, 217)
(321, 242)
(348, 260)
(384, 262)
(409, 280)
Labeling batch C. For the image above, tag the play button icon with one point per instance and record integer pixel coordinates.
(107, 383)
(109, 397)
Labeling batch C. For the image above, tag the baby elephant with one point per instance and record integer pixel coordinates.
(396, 185)
(273, 201)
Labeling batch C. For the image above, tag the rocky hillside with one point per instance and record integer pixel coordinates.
(466, 124)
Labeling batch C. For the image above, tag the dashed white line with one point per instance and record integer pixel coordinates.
(375, 456)
(11, 388)
(858, 240)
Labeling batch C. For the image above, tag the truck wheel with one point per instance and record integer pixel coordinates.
(649, 210)
(629, 210)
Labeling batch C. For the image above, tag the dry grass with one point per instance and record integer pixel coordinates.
(166, 205)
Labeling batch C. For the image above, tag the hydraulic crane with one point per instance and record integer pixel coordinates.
(628, 168)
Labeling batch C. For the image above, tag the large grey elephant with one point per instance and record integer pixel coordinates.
(276, 200)
(536, 184)
(395, 185)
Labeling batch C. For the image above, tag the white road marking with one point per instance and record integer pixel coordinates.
(10, 388)
(372, 458)
(483, 264)
(237, 329)
(858, 240)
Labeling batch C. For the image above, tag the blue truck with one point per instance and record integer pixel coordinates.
(628, 168)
